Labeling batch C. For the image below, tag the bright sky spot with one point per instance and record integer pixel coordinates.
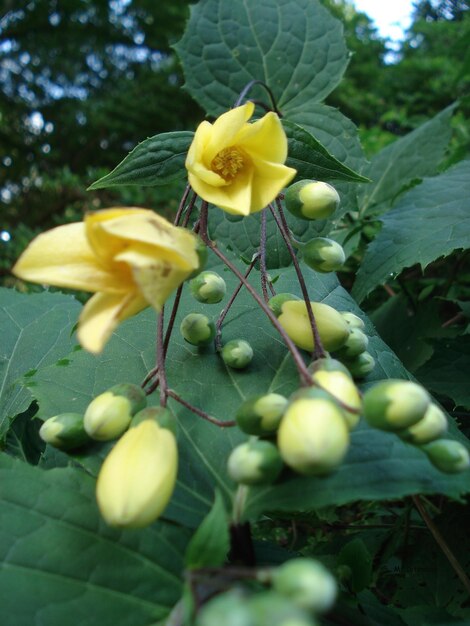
(5, 236)
(390, 18)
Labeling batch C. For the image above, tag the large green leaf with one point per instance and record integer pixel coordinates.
(61, 565)
(36, 331)
(294, 46)
(378, 466)
(429, 221)
(158, 160)
(416, 155)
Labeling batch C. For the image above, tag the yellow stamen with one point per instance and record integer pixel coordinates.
(227, 163)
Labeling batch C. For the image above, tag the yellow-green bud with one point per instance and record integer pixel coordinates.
(110, 413)
(432, 426)
(237, 354)
(353, 320)
(361, 365)
(255, 462)
(276, 302)
(447, 455)
(64, 431)
(262, 414)
(312, 200)
(269, 608)
(197, 329)
(332, 328)
(138, 476)
(229, 608)
(395, 404)
(208, 287)
(327, 364)
(355, 345)
(307, 583)
(313, 437)
(341, 387)
(162, 415)
(323, 255)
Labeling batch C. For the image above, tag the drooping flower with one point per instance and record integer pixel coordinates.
(238, 166)
(130, 259)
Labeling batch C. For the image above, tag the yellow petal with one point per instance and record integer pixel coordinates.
(264, 140)
(198, 146)
(63, 257)
(225, 128)
(234, 198)
(102, 314)
(268, 180)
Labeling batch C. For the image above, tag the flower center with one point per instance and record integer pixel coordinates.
(227, 163)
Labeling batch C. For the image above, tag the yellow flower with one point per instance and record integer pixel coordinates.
(130, 258)
(138, 476)
(237, 166)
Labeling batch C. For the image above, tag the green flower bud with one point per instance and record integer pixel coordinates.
(447, 455)
(333, 330)
(201, 251)
(432, 426)
(313, 437)
(229, 608)
(268, 608)
(395, 404)
(162, 415)
(341, 387)
(237, 354)
(255, 462)
(327, 364)
(355, 345)
(197, 329)
(208, 287)
(110, 413)
(361, 365)
(64, 431)
(307, 583)
(312, 200)
(353, 320)
(323, 255)
(262, 414)
(276, 302)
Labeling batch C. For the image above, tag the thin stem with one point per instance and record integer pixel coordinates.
(262, 257)
(200, 412)
(442, 543)
(181, 205)
(318, 350)
(161, 360)
(171, 321)
(248, 88)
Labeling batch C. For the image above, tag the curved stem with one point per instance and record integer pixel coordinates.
(200, 412)
(248, 88)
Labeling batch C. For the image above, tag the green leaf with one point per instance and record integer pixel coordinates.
(36, 331)
(357, 557)
(312, 160)
(62, 565)
(446, 372)
(294, 46)
(158, 160)
(211, 542)
(416, 155)
(428, 222)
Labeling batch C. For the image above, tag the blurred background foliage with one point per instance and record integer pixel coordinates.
(83, 81)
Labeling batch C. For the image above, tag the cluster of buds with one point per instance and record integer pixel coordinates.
(138, 476)
(405, 408)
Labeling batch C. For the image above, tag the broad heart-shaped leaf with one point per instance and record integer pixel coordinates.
(158, 160)
(36, 331)
(312, 160)
(61, 565)
(294, 46)
(446, 372)
(429, 221)
(378, 465)
(416, 155)
(210, 544)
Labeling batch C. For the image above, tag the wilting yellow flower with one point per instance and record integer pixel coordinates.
(138, 476)
(237, 166)
(130, 258)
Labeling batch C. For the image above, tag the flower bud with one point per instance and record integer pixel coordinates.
(332, 328)
(361, 365)
(138, 476)
(323, 255)
(395, 404)
(355, 345)
(276, 302)
(313, 437)
(161, 415)
(201, 251)
(262, 414)
(307, 583)
(327, 364)
(353, 320)
(255, 462)
(109, 414)
(64, 431)
(208, 287)
(311, 200)
(229, 608)
(447, 455)
(197, 329)
(268, 608)
(237, 354)
(432, 426)
(341, 387)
